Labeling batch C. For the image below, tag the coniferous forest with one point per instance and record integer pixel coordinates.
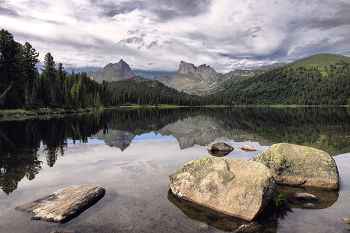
(23, 86)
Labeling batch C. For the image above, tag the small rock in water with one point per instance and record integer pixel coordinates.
(203, 226)
(309, 205)
(346, 220)
(247, 148)
(219, 146)
(305, 196)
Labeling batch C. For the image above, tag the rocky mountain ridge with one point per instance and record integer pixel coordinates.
(113, 72)
(204, 80)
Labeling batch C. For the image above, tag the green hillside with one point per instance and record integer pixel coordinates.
(302, 83)
(318, 60)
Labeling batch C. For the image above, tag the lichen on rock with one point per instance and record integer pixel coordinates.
(238, 188)
(300, 166)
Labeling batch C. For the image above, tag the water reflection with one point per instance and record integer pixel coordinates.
(325, 198)
(322, 128)
(218, 153)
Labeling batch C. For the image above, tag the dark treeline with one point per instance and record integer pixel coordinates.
(22, 86)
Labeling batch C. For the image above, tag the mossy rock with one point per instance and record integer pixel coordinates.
(300, 166)
(238, 188)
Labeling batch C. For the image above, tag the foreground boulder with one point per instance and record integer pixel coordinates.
(300, 166)
(219, 146)
(238, 188)
(64, 204)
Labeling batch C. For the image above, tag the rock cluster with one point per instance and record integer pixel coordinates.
(244, 188)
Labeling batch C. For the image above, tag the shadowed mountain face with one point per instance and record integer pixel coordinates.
(113, 72)
(204, 80)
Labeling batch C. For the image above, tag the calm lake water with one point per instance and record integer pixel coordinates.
(130, 153)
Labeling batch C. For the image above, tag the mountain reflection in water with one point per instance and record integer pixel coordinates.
(322, 128)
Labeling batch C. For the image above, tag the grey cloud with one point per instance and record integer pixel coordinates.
(133, 40)
(131, 32)
(151, 64)
(321, 46)
(7, 11)
(111, 9)
(340, 18)
(167, 42)
(250, 31)
(153, 43)
(163, 9)
(136, 40)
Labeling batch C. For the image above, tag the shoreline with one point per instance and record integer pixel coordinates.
(44, 113)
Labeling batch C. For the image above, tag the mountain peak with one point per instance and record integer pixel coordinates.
(113, 72)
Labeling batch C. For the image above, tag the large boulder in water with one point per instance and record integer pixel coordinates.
(238, 188)
(64, 204)
(300, 166)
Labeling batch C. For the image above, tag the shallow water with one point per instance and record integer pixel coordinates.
(132, 163)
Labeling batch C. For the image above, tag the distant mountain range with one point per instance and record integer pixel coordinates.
(204, 80)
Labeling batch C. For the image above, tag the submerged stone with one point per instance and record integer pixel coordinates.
(64, 204)
(300, 166)
(237, 188)
(305, 196)
(309, 205)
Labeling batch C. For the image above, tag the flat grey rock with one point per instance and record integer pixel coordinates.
(64, 204)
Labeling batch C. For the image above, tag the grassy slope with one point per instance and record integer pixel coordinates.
(318, 60)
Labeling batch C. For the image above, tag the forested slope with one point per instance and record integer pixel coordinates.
(144, 91)
(287, 85)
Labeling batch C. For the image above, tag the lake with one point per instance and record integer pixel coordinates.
(130, 153)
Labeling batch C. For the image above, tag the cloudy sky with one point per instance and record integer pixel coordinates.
(155, 35)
